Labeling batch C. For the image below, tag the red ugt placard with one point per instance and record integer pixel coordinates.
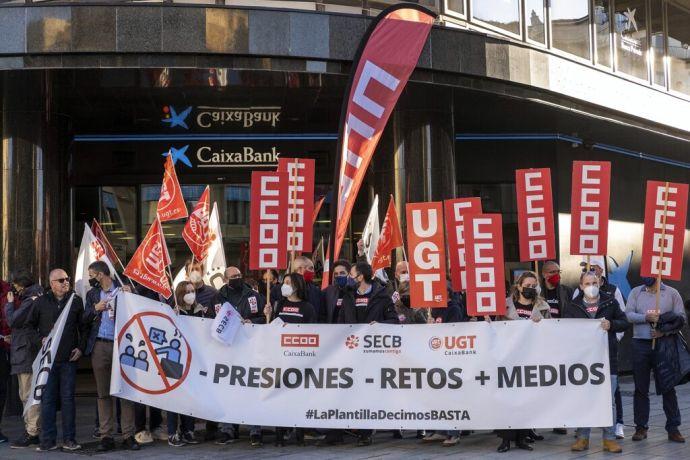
(300, 201)
(268, 225)
(485, 288)
(427, 248)
(535, 214)
(589, 207)
(455, 211)
(662, 245)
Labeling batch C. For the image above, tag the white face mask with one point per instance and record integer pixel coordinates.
(286, 290)
(189, 298)
(195, 277)
(404, 277)
(591, 291)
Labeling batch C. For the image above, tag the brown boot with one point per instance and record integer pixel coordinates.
(580, 445)
(612, 446)
(640, 434)
(675, 436)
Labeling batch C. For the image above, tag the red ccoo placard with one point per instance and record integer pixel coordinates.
(589, 207)
(486, 292)
(268, 225)
(300, 201)
(455, 211)
(427, 249)
(535, 214)
(666, 208)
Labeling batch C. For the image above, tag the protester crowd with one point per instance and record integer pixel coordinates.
(29, 311)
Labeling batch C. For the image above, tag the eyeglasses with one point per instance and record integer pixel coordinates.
(61, 280)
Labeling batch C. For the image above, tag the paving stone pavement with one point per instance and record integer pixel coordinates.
(478, 444)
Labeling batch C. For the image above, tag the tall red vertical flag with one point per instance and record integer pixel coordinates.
(665, 213)
(485, 271)
(390, 238)
(268, 221)
(455, 212)
(589, 207)
(427, 250)
(535, 214)
(300, 201)
(171, 205)
(196, 232)
(147, 265)
(387, 55)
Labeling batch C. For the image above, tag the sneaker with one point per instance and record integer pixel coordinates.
(436, 437)
(159, 434)
(70, 445)
(451, 441)
(144, 437)
(3, 438)
(130, 444)
(107, 443)
(619, 431)
(175, 440)
(189, 438)
(25, 441)
(47, 446)
(255, 440)
(225, 438)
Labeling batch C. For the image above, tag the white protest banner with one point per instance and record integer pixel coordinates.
(478, 375)
(44, 360)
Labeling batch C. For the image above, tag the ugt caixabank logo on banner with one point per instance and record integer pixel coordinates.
(374, 343)
(154, 356)
(452, 345)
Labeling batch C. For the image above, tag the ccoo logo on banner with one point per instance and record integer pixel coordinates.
(457, 376)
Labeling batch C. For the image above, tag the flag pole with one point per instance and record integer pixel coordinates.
(172, 288)
(661, 259)
(268, 296)
(293, 216)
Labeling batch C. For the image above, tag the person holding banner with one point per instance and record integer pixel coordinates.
(62, 377)
(556, 294)
(656, 312)
(333, 295)
(99, 314)
(205, 294)
(407, 314)
(592, 303)
(305, 267)
(23, 348)
(524, 302)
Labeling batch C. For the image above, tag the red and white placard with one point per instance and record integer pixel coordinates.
(486, 292)
(535, 214)
(455, 211)
(268, 224)
(426, 248)
(589, 207)
(300, 201)
(663, 238)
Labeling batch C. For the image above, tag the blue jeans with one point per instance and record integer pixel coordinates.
(61, 381)
(608, 432)
(186, 423)
(644, 359)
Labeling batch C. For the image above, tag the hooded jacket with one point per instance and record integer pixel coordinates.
(380, 307)
(539, 311)
(608, 309)
(248, 303)
(24, 339)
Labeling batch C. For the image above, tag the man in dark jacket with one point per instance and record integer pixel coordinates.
(99, 315)
(205, 294)
(305, 267)
(593, 304)
(62, 377)
(556, 294)
(333, 295)
(23, 348)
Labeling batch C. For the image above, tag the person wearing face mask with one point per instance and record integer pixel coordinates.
(99, 314)
(556, 294)
(523, 303)
(663, 325)
(270, 278)
(333, 294)
(305, 267)
(24, 347)
(592, 303)
(407, 314)
(205, 294)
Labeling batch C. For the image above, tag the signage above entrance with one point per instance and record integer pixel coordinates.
(220, 118)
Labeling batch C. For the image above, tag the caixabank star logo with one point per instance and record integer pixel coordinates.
(171, 117)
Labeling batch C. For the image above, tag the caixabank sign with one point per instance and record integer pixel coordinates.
(203, 118)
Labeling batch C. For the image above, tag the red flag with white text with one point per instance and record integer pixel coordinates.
(196, 232)
(147, 265)
(268, 221)
(589, 207)
(171, 205)
(535, 214)
(390, 238)
(455, 212)
(103, 239)
(665, 212)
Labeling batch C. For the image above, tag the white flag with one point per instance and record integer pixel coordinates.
(90, 251)
(44, 360)
(215, 259)
(370, 234)
(226, 324)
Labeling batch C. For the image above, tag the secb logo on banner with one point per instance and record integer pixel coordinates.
(154, 355)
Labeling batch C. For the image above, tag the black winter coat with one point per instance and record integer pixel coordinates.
(608, 309)
(674, 367)
(380, 307)
(248, 303)
(23, 348)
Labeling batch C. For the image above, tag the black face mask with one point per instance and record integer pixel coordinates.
(405, 300)
(236, 283)
(529, 293)
(94, 283)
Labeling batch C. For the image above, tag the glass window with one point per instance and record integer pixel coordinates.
(504, 14)
(631, 37)
(656, 45)
(602, 29)
(118, 220)
(679, 47)
(534, 18)
(456, 6)
(570, 26)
